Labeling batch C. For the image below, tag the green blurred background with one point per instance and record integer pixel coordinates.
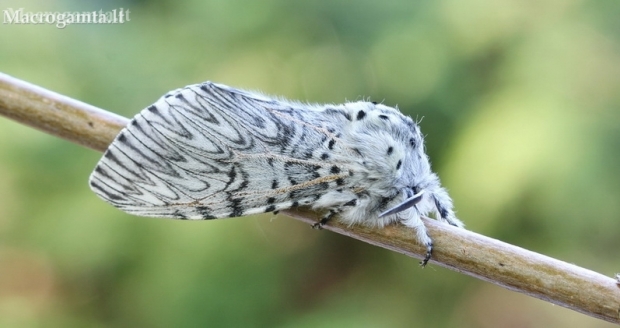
(520, 105)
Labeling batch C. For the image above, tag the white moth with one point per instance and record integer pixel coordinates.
(209, 151)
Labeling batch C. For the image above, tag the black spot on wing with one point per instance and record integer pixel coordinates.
(399, 164)
(360, 115)
(237, 209)
(153, 109)
(205, 212)
(390, 150)
(232, 174)
(178, 215)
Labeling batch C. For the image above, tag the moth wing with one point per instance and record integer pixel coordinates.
(209, 151)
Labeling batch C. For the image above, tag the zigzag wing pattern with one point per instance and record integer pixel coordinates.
(209, 151)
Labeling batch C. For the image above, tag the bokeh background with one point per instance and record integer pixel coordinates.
(520, 105)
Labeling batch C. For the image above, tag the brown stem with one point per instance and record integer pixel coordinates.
(58, 115)
(460, 250)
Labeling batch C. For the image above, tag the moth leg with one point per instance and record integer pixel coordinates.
(451, 220)
(444, 210)
(426, 241)
(429, 253)
(422, 236)
(326, 218)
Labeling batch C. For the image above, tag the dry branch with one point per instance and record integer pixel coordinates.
(460, 250)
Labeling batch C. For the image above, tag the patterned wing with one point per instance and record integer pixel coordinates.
(209, 151)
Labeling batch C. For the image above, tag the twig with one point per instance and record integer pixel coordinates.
(460, 250)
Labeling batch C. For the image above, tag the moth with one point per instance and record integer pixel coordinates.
(209, 151)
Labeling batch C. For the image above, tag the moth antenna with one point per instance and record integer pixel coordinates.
(406, 204)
